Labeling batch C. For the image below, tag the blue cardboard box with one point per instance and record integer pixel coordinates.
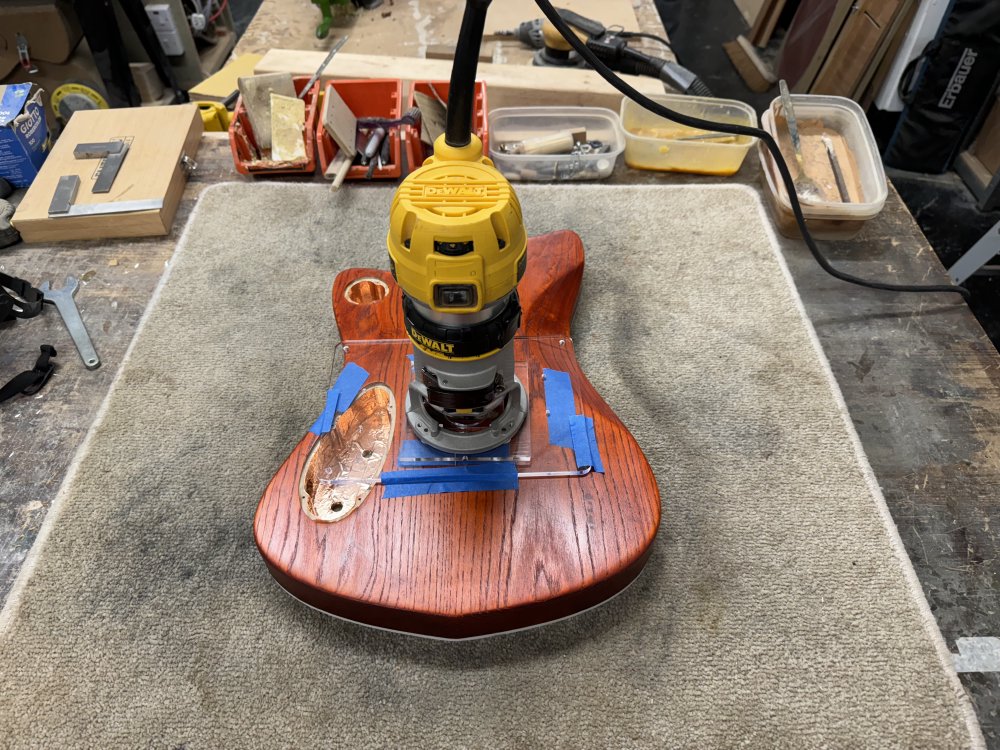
(24, 136)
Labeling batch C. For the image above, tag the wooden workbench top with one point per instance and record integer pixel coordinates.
(407, 27)
(919, 376)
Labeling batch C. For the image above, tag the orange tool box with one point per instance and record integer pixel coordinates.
(416, 151)
(243, 142)
(379, 97)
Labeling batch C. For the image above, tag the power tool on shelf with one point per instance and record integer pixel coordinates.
(611, 46)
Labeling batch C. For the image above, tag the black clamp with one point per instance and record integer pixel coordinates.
(31, 381)
(26, 304)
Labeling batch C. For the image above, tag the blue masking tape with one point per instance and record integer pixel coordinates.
(567, 428)
(498, 476)
(585, 443)
(560, 406)
(340, 396)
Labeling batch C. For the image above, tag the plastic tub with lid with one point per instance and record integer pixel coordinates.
(857, 156)
(515, 124)
(653, 142)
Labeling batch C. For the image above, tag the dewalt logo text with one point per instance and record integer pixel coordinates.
(454, 191)
(431, 344)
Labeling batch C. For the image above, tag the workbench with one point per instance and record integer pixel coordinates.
(408, 28)
(919, 377)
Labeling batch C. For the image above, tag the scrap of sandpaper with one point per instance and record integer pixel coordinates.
(496, 476)
(567, 428)
(255, 92)
(340, 396)
(288, 120)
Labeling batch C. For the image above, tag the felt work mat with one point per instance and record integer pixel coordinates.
(778, 608)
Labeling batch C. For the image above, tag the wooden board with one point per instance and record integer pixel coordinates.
(856, 47)
(888, 45)
(507, 85)
(409, 28)
(221, 85)
(764, 24)
(811, 33)
(457, 565)
(158, 137)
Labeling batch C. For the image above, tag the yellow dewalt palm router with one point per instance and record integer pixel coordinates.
(457, 248)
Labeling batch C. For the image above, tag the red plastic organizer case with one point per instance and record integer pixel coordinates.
(241, 136)
(378, 97)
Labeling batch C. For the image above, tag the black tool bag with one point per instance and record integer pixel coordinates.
(946, 88)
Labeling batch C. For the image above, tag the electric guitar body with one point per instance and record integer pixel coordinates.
(459, 564)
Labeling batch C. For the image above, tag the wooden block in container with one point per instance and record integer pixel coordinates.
(509, 85)
(256, 93)
(158, 137)
(339, 121)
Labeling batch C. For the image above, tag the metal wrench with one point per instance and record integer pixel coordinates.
(66, 305)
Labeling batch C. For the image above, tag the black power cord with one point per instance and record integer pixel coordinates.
(696, 122)
(462, 89)
(644, 35)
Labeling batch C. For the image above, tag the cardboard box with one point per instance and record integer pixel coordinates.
(24, 136)
(158, 139)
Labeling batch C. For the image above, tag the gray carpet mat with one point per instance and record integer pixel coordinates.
(777, 609)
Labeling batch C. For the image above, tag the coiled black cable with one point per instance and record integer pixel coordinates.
(696, 122)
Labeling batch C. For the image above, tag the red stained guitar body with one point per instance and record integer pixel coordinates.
(469, 564)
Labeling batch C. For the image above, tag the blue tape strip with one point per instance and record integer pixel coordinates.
(416, 449)
(585, 443)
(340, 396)
(501, 475)
(560, 406)
(567, 428)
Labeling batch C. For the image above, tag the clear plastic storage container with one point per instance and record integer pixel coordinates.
(862, 171)
(653, 142)
(514, 124)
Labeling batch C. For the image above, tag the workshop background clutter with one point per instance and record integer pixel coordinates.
(863, 137)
